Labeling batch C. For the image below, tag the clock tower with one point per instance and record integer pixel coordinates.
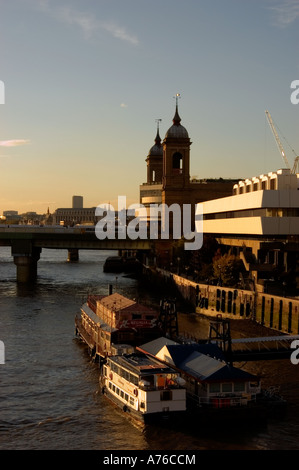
(176, 163)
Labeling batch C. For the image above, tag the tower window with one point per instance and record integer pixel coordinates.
(177, 161)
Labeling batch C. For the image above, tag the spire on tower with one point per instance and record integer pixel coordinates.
(158, 138)
(176, 120)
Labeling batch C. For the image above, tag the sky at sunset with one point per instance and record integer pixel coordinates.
(85, 81)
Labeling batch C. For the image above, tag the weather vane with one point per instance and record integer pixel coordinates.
(177, 96)
(157, 121)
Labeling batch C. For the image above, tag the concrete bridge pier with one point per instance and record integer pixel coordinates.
(73, 255)
(27, 266)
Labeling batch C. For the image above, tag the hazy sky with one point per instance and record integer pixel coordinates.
(86, 80)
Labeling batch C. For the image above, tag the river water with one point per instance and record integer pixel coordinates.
(49, 390)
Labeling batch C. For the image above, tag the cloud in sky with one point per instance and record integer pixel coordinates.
(88, 23)
(123, 105)
(286, 12)
(120, 33)
(13, 143)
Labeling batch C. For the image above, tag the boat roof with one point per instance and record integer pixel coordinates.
(117, 302)
(204, 362)
(154, 346)
(181, 351)
(140, 363)
(207, 368)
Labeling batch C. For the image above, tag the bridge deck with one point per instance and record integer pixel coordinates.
(263, 348)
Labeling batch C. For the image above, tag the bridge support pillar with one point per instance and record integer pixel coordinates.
(73, 255)
(27, 267)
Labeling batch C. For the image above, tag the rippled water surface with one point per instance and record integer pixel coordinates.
(49, 393)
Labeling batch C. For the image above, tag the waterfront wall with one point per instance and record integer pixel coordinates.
(279, 313)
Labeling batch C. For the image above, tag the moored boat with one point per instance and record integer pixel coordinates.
(216, 392)
(113, 324)
(147, 390)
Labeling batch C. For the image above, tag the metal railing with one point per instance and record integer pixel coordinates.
(221, 402)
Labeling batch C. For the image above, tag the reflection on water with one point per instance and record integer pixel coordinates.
(49, 393)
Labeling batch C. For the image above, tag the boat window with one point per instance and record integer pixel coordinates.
(166, 395)
(239, 387)
(142, 405)
(122, 394)
(105, 371)
(126, 397)
(227, 387)
(149, 317)
(149, 380)
(126, 375)
(132, 401)
(134, 379)
(214, 388)
(136, 316)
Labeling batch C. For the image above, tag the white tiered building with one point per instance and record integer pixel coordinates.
(264, 205)
(260, 222)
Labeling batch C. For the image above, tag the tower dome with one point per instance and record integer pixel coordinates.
(177, 130)
(157, 149)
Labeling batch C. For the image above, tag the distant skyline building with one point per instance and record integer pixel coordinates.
(77, 202)
(10, 213)
(75, 215)
(11, 216)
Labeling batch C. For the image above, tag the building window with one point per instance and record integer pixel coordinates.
(177, 161)
(273, 183)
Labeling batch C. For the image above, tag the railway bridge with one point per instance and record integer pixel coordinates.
(27, 242)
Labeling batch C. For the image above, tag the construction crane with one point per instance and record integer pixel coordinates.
(280, 147)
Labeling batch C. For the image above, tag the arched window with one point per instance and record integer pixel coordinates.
(177, 161)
